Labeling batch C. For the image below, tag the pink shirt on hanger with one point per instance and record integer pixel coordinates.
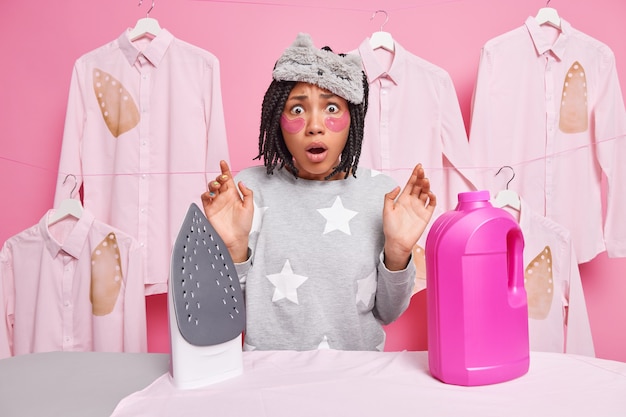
(550, 106)
(76, 285)
(144, 133)
(414, 116)
(558, 319)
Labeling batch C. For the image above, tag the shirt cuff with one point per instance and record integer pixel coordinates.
(381, 258)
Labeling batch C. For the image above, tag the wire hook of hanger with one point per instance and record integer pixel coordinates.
(386, 18)
(75, 183)
(512, 172)
(150, 9)
(547, 3)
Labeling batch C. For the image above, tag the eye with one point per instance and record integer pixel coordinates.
(297, 110)
(332, 108)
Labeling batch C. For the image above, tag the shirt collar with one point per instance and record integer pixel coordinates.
(153, 52)
(74, 242)
(542, 42)
(372, 67)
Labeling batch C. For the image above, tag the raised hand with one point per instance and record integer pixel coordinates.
(405, 217)
(229, 213)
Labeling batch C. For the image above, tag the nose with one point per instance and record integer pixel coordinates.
(315, 123)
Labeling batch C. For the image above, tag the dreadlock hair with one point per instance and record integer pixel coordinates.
(272, 147)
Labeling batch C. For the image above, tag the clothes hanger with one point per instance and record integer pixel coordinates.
(146, 26)
(68, 207)
(548, 15)
(382, 39)
(506, 197)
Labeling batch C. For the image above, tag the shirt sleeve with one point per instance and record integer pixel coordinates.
(217, 143)
(393, 292)
(578, 339)
(610, 133)
(456, 152)
(242, 271)
(480, 133)
(70, 159)
(135, 326)
(7, 298)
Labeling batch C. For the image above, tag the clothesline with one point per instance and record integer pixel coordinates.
(331, 7)
(427, 168)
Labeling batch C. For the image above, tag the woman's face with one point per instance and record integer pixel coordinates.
(315, 125)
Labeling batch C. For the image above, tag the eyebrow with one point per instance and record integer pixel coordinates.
(326, 96)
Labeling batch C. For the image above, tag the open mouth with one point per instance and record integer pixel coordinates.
(316, 147)
(316, 152)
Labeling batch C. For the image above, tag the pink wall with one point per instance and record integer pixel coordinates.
(42, 39)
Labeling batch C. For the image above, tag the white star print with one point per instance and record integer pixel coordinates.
(366, 289)
(374, 173)
(323, 344)
(337, 217)
(257, 218)
(286, 283)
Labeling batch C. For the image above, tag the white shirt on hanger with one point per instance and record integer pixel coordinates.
(558, 319)
(554, 112)
(75, 285)
(144, 133)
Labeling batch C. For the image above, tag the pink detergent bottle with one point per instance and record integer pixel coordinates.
(476, 301)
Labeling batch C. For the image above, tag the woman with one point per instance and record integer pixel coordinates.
(323, 254)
